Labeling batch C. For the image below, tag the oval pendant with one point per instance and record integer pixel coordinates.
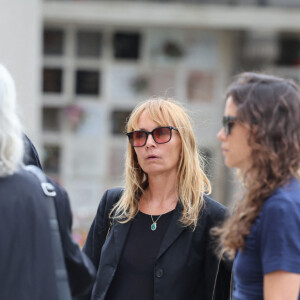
(153, 226)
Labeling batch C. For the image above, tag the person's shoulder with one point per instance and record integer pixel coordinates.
(26, 176)
(288, 193)
(284, 199)
(214, 209)
(114, 191)
(110, 197)
(214, 206)
(113, 194)
(20, 187)
(23, 179)
(290, 190)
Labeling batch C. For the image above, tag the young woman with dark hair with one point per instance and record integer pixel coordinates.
(261, 138)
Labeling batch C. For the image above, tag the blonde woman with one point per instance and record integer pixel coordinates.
(151, 240)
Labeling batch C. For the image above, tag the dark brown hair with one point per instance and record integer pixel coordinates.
(271, 106)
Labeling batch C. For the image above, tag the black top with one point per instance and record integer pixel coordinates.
(134, 276)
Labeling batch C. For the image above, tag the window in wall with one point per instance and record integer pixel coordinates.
(89, 44)
(87, 83)
(289, 51)
(53, 41)
(126, 45)
(51, 162)
(119, 120)
(51, 119)
(52, 80)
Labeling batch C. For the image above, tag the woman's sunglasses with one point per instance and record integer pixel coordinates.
(161, 135)
(228, 122)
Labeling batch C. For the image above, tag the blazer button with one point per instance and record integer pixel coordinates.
(159, 273)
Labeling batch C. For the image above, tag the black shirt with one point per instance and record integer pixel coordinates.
(134, 276)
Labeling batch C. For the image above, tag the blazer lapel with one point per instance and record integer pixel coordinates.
(120, 233)
(111, 253)
(175, 228)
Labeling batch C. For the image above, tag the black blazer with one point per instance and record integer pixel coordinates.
(186, 266)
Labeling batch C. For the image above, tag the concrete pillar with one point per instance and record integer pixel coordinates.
(20, 48)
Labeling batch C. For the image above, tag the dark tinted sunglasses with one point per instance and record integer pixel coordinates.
(161, 135)
(228, 122)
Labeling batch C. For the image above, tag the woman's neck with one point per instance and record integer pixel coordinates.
(160, 196)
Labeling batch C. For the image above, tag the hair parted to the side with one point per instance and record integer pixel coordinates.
(271, 107)
(11, 143)
(192, 183)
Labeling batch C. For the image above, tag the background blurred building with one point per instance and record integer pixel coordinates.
(81, 66)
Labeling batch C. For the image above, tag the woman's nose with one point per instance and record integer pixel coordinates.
(221, 134)
(150, 141)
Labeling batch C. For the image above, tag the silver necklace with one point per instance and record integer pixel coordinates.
(154, 223)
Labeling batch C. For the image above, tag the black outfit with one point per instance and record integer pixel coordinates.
(81, 272)
(26, 262)
(185, 266)
(134, 276)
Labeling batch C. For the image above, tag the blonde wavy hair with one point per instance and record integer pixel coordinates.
(11, 142)
(192, 183)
